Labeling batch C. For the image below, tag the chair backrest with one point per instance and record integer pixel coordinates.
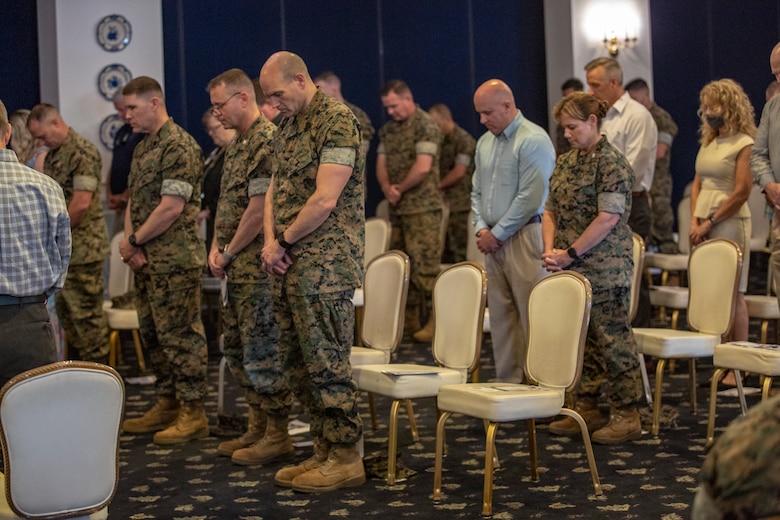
(458, 310)
(377, 238)
(636, 275)
(385, 288)
(383, 210)
(473, 254)
(714, 268)
(684, 225)
(558, 316)
(759, 222)
(120, 277)
(59, 426)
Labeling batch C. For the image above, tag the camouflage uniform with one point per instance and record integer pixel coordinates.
(661, 231)
(250, 333)
(366, 128)
(168, 288)
(312, 301)
(581, 186)
(416, 219)
(740, 477)
(458, 147)
(75, 165)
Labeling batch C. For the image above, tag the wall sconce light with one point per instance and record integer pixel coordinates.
(615, 44)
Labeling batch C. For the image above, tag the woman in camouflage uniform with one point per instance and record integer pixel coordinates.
(585, 229)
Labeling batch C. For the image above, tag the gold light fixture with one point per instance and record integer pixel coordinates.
(614, 44)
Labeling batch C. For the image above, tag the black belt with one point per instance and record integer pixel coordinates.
(533, 220)
(638, 194)
(7, 299)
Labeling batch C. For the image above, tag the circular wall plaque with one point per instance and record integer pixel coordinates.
(114, 33)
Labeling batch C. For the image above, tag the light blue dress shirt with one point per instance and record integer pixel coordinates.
(512, 177)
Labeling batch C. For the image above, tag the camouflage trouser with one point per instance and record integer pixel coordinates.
(251, 346)
(662, 227)
(168, 307)
(457, 236)
(80, 311)
(418, 236)
(610, 352)
(315, 340)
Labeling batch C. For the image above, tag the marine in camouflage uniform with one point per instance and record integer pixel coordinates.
(312, 301)
(75, 165)
(581, 187)
(416, 218)
(367, 130)
(740, 477)
(458, 147)
(169, 286)
(662, 227)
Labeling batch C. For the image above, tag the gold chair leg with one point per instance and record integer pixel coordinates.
(372, 410)
(594, 472)
(765, 386)
(675, 317)
(113, 347)
(764, 327)
(437, 468)
(358, 326)
(659, 376)
(412, 421)
(487, 495)
(496, 461)
(692, 377)
(664, 277)
(139, 352)
(392, 443)
(532, 449)
(475, 375)
(713, 402)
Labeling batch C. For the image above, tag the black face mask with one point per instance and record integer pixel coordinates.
(715, 122)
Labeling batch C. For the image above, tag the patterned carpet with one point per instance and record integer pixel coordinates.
(647, 478)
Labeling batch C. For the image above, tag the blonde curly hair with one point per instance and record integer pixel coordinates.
(738, 114)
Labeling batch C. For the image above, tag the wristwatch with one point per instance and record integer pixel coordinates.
(712, 219)
(572, 253)
(227, 255)
(132, 241)
(282, 242)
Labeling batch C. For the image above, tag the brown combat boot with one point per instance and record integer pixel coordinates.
(190, 424)
(588, 408)
(411, 320)
(344, 468)
(275, 444)
(285, 476)
(624, 425)
(158, 417)
(425, 334)
(254, 432)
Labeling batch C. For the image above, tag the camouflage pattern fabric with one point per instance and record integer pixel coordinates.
(246, 173)
(662, 227)
(457, 236)
(580, 187)
(367, 130)
(316, 333)
(418, 236)
(330, 259)
(741, 474)
(80, 310)
(168, 163)
(458, 147)
(401, 141)
(251, 346)
(168, 307)
(75, 165)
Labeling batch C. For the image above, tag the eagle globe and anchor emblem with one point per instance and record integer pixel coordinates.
(114, 33)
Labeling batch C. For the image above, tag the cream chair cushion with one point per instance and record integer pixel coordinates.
(748, 356)
(762, 307)
(499, 402)
(670, 296)
(671, 343)
(405, 381)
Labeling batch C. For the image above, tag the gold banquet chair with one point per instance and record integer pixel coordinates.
(713, 272)
(558, 316)
(638, 254)
(377, 233)
(59, 426)
(458, 307)
(386, 286)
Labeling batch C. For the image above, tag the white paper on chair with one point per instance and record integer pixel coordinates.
(422, 371)
(750, 344)
(524, 388)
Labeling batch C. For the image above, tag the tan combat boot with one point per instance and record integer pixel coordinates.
(190, 424)
(588, 408)
(344, 468)
(158, 417)
(425, 334)
(285, 476)
(254, 432)
(411, 320)
(275, 444)
(624, 425)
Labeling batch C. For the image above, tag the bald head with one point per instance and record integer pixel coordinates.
(774, 61)
(286, 83)
(495, 104)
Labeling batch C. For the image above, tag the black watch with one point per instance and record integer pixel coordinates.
(573, 253)
(132, 241)
(282, 242)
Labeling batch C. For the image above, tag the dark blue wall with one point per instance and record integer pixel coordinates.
(19, 82)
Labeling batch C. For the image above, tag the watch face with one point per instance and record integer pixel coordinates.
(114, 33)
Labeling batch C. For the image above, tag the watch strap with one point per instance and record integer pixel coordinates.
(282, 242)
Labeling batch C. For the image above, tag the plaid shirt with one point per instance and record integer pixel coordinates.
(35, 230)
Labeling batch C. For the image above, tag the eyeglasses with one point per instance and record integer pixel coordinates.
(218, 106)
